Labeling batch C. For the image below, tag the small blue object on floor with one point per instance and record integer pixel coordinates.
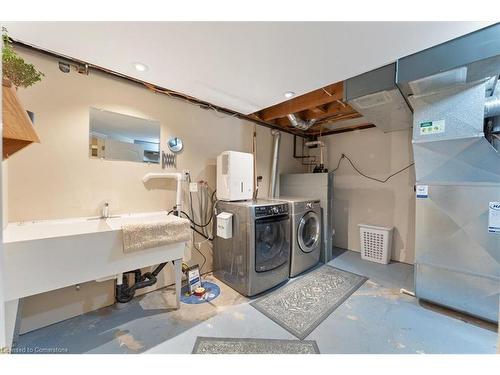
(212, 292)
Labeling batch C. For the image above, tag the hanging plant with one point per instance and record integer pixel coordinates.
(14, 68)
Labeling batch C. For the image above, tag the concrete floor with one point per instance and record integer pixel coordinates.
(375, 319)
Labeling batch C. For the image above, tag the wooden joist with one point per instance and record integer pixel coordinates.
(304, 102)
(324, 105)
(332, 111)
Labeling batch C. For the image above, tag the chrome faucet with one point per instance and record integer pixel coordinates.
(105, 211)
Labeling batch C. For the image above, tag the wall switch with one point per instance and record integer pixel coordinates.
(193, 187)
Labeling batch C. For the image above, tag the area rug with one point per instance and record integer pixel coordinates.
(301, 305)
(216, 345)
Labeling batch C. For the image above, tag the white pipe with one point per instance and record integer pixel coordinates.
(321, 145)
(275, 162)
(174, 175)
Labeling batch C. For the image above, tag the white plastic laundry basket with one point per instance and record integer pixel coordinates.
(376, 243)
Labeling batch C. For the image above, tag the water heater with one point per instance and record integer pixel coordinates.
(234, 176)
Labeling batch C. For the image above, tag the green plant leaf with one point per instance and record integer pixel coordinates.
(14, 68)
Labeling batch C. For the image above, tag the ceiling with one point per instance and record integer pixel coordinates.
(242, 66)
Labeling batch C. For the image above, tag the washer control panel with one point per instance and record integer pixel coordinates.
(273, 210)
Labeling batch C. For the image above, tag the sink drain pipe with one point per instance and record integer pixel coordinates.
(125, 293)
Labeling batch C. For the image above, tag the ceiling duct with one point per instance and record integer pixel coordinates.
(299, 123)
(460, 61)
(376, 96)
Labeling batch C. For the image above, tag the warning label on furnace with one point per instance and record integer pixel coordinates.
(422, 191)
(432, 127)
(494, 217)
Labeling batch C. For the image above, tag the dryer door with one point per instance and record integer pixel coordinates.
(308, 231)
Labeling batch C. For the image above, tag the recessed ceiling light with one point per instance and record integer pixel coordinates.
(140, 66)
(289, 94)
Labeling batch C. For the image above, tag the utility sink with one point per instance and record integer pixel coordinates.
(44, 255)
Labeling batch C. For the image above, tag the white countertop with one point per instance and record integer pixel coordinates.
(42, 229)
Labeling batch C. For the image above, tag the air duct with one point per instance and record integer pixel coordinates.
(457, 243)
(376, 96)
(492, 106)
(274, 166)
(299, 123)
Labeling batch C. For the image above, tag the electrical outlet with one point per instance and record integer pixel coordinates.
(193, 187)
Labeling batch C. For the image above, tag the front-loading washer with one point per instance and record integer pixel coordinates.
(256, 257)
(305, 220)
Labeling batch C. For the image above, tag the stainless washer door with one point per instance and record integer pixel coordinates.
(308, 231)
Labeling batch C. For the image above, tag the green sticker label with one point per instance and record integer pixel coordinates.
(432, 127)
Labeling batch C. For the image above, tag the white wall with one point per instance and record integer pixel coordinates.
(57, 179)
(358, 200)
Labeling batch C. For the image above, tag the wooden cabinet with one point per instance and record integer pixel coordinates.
(18, 130)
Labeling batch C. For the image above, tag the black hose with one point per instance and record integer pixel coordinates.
(192, 227)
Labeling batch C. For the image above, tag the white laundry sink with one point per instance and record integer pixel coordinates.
(44, 255)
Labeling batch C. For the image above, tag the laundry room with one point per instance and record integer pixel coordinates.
(213, 204)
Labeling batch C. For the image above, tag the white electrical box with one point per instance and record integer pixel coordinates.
(225, 225)
(234, 176)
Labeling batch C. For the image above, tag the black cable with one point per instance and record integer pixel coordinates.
(202, 255)
(344, 156)
(194, 224)
(201, 234)
(192, 221)
(192, 227)
(194, 242)
(192, 211)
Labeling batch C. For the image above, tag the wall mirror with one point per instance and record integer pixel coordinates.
(115, 136)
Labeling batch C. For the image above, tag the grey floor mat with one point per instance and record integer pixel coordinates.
(216, 345)
(301, 305)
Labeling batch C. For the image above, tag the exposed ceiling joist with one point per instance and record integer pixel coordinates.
(304, 102)
(324, 105)
(335, 109)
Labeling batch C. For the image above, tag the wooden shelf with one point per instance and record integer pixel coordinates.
(18, 130)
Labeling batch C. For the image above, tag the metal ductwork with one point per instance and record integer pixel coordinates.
(299, 123)
(492, 106)
(274, 166)
(467, 59)
(376, 96)
(457, 245)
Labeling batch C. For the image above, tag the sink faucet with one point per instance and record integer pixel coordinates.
(105, 211)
